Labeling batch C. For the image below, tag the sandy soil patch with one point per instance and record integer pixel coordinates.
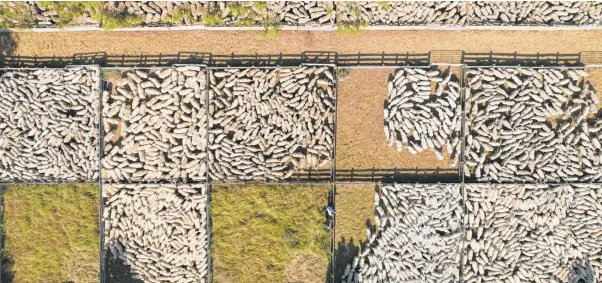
(250, 42)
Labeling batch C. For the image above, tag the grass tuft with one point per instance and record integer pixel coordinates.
(15, 15)
(352, 29)
(69, 10)
(52, 232)
(212, 19)
(272, 28)
(178, 15)
(110, 19)
(384, 5)
(260, 233)
(238, 10)
(261, 6)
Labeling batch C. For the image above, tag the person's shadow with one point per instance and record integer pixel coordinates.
(344, 254)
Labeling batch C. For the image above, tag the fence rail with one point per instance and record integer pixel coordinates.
(308, 57)
(538, 59)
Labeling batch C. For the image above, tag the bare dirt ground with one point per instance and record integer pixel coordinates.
(361, 141)
(250, 42)
(354, 209)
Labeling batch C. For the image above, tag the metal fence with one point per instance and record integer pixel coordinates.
(308, 57)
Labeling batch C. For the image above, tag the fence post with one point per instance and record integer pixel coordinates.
(491, 57)
(579, 58)
(429, 56)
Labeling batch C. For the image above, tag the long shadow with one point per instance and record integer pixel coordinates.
(117, 271)
(6, 262)
(391, 175)
(344, 254)
(8, 43)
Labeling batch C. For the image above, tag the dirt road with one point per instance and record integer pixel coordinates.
(250, 42)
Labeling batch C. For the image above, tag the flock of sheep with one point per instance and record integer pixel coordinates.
(496, 233)
(186, 123)
(329, 13)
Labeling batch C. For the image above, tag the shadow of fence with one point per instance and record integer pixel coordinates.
(538, 59)
(309, 57)
(393, 175)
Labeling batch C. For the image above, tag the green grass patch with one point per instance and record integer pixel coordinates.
(16, 16)
(113, 19)
(212, 18)
(178, 15)
(69, 10)
(51, 233)
(238, 10)
(269, 233)
(261, 6)
(272, 28)
(351, 28)
(328, 10)
(384, 5)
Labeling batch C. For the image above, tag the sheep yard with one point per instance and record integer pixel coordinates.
(227, 174)
(158, 230)
(50, 233)
(363, 98)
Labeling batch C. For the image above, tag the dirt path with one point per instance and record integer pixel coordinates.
(250, 42)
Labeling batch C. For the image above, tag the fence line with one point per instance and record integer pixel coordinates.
(316, 57)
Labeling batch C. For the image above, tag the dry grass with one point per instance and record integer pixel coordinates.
(51, 233)
(250, 42)
(361, 141)
(354, 210)
(269, 233)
